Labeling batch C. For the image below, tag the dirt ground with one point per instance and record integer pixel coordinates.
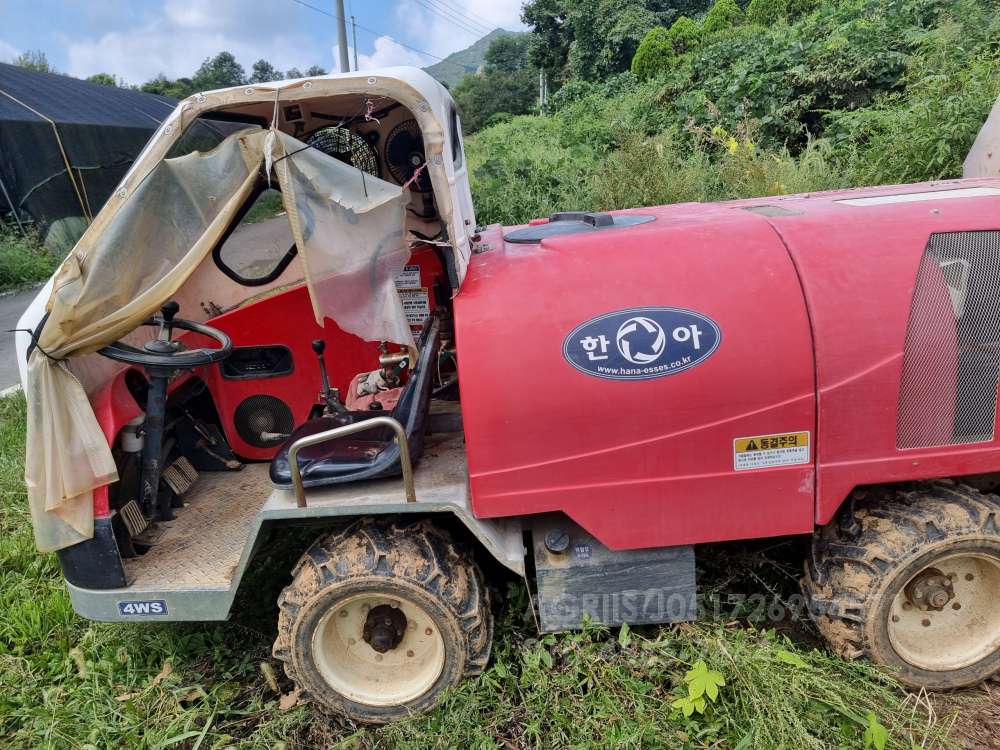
(976, 713)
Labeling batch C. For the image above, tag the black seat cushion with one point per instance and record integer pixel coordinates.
(368, 454)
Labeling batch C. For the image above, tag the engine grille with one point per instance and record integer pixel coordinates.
(948, 390)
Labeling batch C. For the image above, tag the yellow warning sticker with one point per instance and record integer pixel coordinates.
(766, 451)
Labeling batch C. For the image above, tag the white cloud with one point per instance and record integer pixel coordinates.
(188, 31)
(387, 53)
(8, 52)
(175, 37)
(447, 31)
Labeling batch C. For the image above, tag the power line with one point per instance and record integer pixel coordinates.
(452, 18)
(480, 20)
(391, 39)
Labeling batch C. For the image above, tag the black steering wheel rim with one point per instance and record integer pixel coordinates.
(181, 359)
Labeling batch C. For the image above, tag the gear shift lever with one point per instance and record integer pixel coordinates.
(329, 396)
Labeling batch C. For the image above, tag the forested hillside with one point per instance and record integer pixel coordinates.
(655, 102)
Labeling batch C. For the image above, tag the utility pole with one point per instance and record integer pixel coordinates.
(345, 63)
(354, 33)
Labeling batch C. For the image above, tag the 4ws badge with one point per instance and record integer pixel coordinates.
(641, 343)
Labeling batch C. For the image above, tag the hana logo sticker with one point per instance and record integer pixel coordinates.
(641, 343)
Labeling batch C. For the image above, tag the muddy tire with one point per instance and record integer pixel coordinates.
(380, 618)
(910, 578)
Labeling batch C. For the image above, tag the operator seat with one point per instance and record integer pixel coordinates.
(365, 455)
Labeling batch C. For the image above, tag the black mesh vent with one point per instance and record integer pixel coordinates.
(948, 391)
(346, 145)
(263, 421)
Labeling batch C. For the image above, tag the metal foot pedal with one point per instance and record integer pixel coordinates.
(131, 515)
(180, 475)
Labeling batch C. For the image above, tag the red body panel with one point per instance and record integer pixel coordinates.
(645, 463)
(858, 266)
(650, 463)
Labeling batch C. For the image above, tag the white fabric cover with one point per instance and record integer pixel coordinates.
(349, 227)
(137, 255)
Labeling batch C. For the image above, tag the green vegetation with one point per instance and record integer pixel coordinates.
(724, 14)
(222, 71)
(451, 69)
(793, 95)
(69, 683)
(23, 260)
(507, 85)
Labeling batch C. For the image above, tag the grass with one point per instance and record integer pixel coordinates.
(23, 260)
(267, 206)
(69, 683)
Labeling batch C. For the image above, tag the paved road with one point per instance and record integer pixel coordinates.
(11, 307)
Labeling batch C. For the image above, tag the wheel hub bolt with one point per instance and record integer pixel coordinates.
(929, 590)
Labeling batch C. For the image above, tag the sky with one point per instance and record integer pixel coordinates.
(136, 40)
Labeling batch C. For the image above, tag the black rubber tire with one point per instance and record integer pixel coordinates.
(879, 540)
(415, 561)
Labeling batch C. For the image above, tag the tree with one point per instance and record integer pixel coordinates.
(34, 59)
(507, 86)
(294, 73)
(655, 54)
(594, 39)
(723, 15)
(684, 35)
(263, 71)
(315, 70)
(103, 79)
(179, 89)
(551, 35)
(219, 72)
(507, 53)
(660, 47)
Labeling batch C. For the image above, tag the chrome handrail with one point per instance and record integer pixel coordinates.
(350, 429)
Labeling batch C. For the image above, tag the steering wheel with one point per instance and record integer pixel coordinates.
(166, 353)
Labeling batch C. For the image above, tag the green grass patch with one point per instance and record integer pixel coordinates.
(23, 260)
(267, 206)
(69, 683)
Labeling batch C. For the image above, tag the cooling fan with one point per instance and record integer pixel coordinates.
(347, 146)
(404, 153)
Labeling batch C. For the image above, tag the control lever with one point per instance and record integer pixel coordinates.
(329, 396)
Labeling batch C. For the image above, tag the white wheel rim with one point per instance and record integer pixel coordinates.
(358, 672)
(965, 631)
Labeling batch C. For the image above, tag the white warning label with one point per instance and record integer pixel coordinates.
(408, 278)
(416, 305)
(766, 451)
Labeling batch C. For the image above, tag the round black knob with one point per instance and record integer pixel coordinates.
(169, 310)
(557, 541)
(319, 346)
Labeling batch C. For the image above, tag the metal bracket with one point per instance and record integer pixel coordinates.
(350, 429)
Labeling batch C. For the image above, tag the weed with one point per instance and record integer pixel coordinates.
(23, 259)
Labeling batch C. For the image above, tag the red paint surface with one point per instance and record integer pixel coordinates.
(638, 463)
(650, 463)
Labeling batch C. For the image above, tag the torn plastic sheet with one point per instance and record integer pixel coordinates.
(349, 228)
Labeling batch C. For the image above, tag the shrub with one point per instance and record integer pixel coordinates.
(766, 12)
(685, 35)
(654, 55)
(723, 15)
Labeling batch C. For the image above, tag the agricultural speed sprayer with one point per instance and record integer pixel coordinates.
(581, 401)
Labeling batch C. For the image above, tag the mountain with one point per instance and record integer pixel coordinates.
(450, 70)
